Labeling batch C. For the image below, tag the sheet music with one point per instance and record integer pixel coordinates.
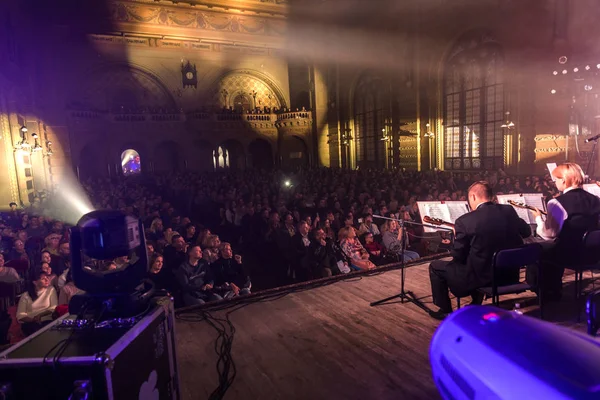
(447, 211)
(592, 188)
(530, 199)
(457, 209)
(551, 167)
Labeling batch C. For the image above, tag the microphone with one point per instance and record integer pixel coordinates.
(593, 138)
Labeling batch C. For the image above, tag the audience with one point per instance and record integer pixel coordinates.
(196, 222)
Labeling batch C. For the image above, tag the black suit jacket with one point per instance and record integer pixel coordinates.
(480, 234)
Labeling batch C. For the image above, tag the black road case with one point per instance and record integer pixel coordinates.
(120, 361)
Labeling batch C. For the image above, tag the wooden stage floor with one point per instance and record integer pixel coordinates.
(328, 343)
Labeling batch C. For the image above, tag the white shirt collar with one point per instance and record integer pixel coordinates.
(569, 189)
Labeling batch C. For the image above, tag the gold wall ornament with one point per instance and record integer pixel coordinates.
(187, 17)
(547, 138)
(549, 150)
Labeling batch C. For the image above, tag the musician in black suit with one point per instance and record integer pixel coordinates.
(490, 227)
(569, 217)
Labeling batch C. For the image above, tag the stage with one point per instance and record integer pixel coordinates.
(328, 343)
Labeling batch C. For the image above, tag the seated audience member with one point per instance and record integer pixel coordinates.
(189, 233)
(210, 255)
(68, 290)
(155, 232)
(228, 271)
(211, 241)
(64, 261)
(322, 258)
(47, 269)
(299, 252)
(356, 253)
(375, 249)
(7, 274)
(329, 231)
(159, 276)
(150, 249)
(175, 254)
(195, 280)
(52, 241)
(392, 241)
(37, 304)
(368, 226)
(204, 233)
(18, 251)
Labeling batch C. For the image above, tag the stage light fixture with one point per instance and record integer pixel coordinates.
(587, 88)
(575, 69)
(563, 60)
(553, 91)
(587, 67)
(598, 66)
(555, 73)
(106, 235)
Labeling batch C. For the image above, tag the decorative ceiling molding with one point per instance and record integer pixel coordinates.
(187, 17)
(270, 7)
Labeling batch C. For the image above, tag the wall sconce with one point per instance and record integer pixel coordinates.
(23, 144)
(429, 134)
(36, 145)
(508, 124)
(346, 137)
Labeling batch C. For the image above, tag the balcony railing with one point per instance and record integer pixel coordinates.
(259, 120)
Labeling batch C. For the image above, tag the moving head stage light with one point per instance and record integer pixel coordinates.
(98, 239)
(118, 341)
(482, 352)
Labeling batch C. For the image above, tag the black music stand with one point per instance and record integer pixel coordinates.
(404, 295)
(592, 161)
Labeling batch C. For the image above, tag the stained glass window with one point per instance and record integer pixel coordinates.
(474, 105)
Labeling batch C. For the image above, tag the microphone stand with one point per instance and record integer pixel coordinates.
(404, 295)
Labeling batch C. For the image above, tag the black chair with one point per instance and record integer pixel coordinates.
(588, 261)
(506, 266)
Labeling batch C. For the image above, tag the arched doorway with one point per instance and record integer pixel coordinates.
(167, 157)
(294, 152)
(200, 156)
(229, 154)
(261, 155)
(131, 162)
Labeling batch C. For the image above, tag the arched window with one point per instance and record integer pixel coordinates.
(131, 162)
(371, 108)
(221, 158)
(474, 105)
(241, 103)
